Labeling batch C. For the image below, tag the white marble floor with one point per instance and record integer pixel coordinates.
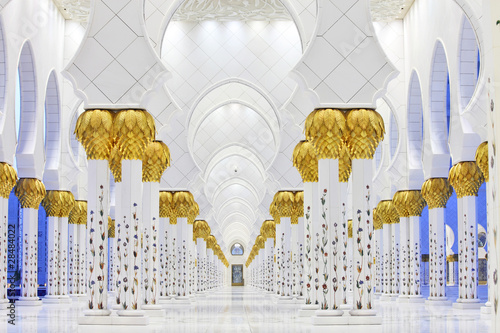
(241, 309)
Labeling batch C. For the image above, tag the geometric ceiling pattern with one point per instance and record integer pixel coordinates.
(234, 10)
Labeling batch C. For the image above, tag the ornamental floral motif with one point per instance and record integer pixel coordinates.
(345, 262)
(97, 237)
(324, 252)
(308, 254)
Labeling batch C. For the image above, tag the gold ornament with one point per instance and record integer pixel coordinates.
(115, 164)
(194, 210)
(52, 203)
(436, 191)
(30, 192)
(260, 242)
(306, 161)
(68, 202)
(409, 203)
(482, 160)
(345, 164)
(387, 212)
(466, 178)
(298, 207)
(200, 229)
(166, 206)
(8, 179)
(377, 220)
(132, 131)
(83, 215)
(182, 202)
(365, 130)
(111, 227)
(325, 128)
(94, 130)
(78, 213)
(155, 161)
(349, 228)
(282, 205)
(211, 241)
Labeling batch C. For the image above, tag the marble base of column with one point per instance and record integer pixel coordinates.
(345, 307)
(50, 299)
(364, 317)
(465, 304)
(154, 310)
(98, 318)
(487, 308)
(308, 310)
(182, 300)
(329, 317)
(386, 298)
(438, 301)
(403, 299)
(164, 299)
(29, 301)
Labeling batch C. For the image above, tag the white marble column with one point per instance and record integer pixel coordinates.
(73, 256)
(182, 260)
(362, 227)
(387, 250)
(294, 244)
(437, 257)
(379, 261)
(7, 246)
(164, 245)
(286, 260)
(278, 265)
(395, 262)
(404, 257)
(53, 258)
(132, 221)
(269, 278)
(415, 259)
(201, 257)
(150, 253)
(466, 178)
(112, 256)
(82, 252)
(30, 192)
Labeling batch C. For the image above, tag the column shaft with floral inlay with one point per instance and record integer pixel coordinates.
(436, 192)
(8, 178)
(324, 128)
(58, 205)
(115, 165)
(155, 160)
(409, 205)
(482, 163)
(166, 246)
(377, 226)
(111, 255)
(201, 231)
(94, 130)
(132, 131)
(390, 218)
(365, 129)
(466, 178)
(30, 192)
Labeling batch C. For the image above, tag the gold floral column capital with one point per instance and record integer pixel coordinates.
(365, 130)
(155, 161)
(387, 212)
(306, 161)
(132, 131)
(8, 179)
(345, 164)
(298, 207)
(436, 191)
(482, 160)
(325, 128)
(193, 212)
(466, 178)
(166, 206)
(349, 228)
(94, 130)
(83, 215)
(211, 242)
(78, 212)
(115, 164)
(30, 192)
(260, 241)
(377, 220)
(409, 203)
(200, 229)
(282, 205)
(111, 228)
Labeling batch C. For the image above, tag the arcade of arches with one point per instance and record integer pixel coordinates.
(260, 166)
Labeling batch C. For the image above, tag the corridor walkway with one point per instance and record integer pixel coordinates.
(241, 309)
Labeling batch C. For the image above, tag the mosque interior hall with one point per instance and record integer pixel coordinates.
(254, 166)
